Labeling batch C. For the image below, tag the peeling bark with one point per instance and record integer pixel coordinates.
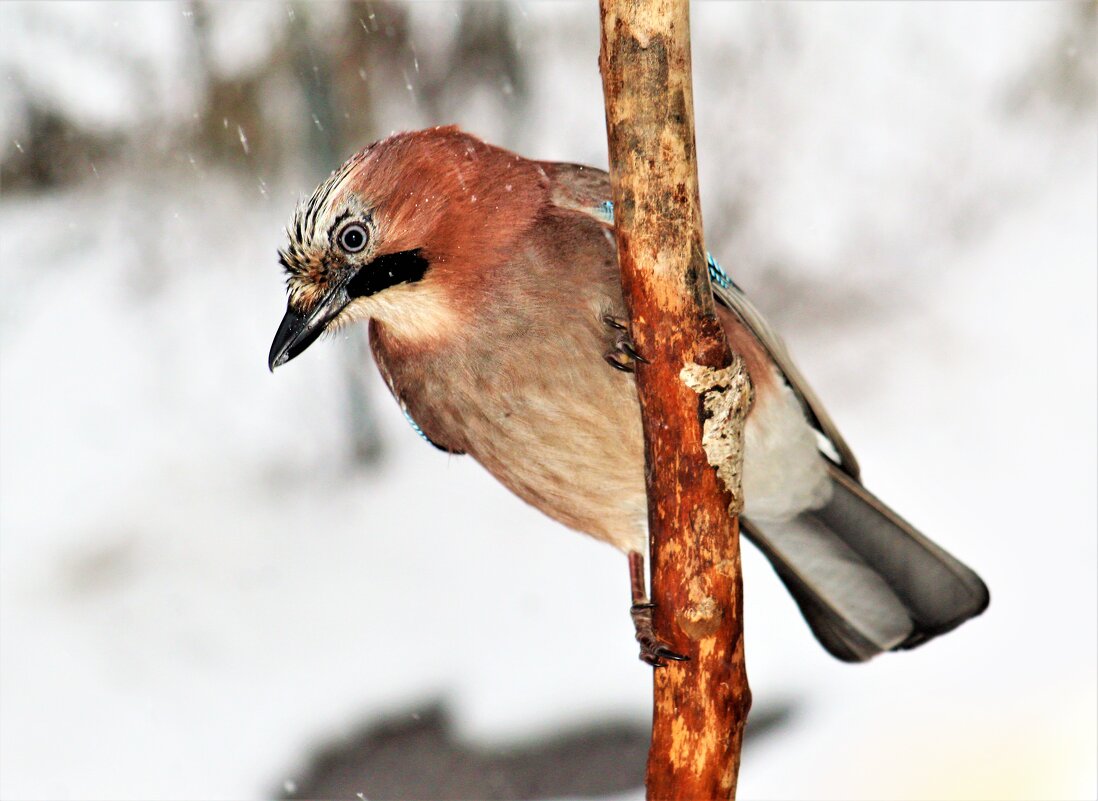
(726, 398)
(693, 399)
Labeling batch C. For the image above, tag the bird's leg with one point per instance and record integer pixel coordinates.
(653, 650)
(623, 354)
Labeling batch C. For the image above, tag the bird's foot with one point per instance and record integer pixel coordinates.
(653, 650)
(623, 356)
(619, 323)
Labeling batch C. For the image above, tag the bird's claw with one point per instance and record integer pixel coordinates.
(623, 355)
(619, 361)
(619, 323)
(626, 347)
(653, 650)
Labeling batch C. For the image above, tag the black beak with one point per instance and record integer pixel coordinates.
(298, 331)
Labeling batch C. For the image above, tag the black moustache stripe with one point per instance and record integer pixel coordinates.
(405, 267)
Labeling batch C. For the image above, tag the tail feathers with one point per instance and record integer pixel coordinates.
(850, 608)
(864, 579)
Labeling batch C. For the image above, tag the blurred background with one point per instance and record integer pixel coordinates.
(216, 583)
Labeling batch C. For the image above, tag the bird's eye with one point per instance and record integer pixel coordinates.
(353, 238)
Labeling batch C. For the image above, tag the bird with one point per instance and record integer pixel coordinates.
(490, 288)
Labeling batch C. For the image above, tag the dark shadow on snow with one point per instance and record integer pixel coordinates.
(416, 755)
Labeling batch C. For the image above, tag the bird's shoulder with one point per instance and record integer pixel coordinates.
(577, 187)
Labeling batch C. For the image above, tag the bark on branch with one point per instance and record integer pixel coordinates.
(694, 397)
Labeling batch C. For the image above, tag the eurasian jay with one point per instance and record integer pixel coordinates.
(491, 287)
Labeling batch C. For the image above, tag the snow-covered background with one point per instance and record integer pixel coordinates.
(208, 572)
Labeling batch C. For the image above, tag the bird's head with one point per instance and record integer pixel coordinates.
(404, 233)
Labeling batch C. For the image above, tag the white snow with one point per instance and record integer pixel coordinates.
(197, 586)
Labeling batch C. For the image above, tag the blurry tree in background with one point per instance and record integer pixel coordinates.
(285, 83)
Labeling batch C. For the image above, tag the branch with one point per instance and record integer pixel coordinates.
(694, 396)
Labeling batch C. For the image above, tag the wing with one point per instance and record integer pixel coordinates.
(729, 294)
(587, 189)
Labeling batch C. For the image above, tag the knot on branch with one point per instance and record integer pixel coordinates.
(700, 619)
(726, 399)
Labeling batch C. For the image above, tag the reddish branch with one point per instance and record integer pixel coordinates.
(700, 705)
